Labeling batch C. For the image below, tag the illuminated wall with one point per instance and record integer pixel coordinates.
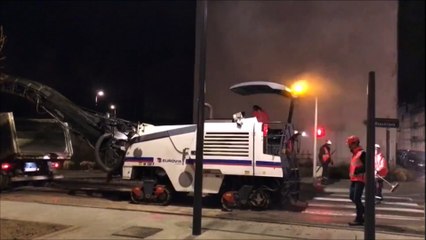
(332, 44)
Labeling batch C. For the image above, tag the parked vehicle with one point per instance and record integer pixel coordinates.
(411, 159)
(31, 150)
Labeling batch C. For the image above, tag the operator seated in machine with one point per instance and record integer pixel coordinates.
(260, 114)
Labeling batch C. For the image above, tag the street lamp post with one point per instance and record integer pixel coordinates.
(314, 154)
(100, 93)
(299, 88)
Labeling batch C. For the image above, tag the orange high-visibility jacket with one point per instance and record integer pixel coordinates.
(261, 116)
(356, 167)
(324, 154)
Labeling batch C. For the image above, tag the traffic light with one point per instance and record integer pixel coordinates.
(320, 132)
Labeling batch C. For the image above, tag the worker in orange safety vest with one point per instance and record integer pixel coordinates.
(357, 178)
(260, 114)
(324, 157)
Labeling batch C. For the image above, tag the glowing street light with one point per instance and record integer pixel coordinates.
(100, 93)
(113, 109)
(299, 88)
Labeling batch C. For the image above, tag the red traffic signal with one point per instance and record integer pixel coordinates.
(320, 132)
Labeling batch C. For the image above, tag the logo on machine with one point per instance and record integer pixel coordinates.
(173, 161)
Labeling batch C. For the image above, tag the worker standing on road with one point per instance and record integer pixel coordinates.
(260, 114)
(324, 156)
(356, 176)
(381, 167)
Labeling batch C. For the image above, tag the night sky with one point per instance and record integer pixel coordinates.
(411, 51)
(141, 54)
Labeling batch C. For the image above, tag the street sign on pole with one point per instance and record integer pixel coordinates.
(386, 122)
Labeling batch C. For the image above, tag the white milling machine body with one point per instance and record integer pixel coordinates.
(241, 164)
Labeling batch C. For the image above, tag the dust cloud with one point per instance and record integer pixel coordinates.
(331, 44)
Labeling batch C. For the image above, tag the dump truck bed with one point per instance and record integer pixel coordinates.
(32, 149)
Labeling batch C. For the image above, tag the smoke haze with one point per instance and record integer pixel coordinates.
(331, 44)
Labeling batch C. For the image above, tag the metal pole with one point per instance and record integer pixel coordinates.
(201, 22)
(290, 112)
(369, 226)
(314, 155)
(387, 144)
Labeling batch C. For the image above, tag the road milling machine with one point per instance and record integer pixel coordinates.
(247, 163)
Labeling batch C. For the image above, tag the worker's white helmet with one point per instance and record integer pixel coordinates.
(328, 142)
(376, 145)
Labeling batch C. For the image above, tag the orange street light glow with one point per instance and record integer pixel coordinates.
(299, 88)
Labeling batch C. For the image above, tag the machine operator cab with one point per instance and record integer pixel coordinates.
(276, 134)
(279, 141)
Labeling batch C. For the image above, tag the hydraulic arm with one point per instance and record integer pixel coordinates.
(108, 136)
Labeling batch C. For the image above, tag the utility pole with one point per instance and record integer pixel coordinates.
(314, 154)
(369, 213)
(201, 32)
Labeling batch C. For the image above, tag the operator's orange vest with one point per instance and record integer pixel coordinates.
(356, 163)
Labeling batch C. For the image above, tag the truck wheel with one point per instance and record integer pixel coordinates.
(136, 195)
(4, 181)
(229, 201)
(165, 196)
(259, 199)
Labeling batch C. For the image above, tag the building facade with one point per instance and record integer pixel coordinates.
(411, 132)
(327, 43)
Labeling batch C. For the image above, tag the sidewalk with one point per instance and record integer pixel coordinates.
(90, 222)
(96, 223)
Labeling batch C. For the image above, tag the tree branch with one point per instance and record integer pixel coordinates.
(2, 44)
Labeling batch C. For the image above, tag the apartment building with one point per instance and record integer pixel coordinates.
(411, 132)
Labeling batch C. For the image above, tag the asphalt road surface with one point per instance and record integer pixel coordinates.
(400, 212)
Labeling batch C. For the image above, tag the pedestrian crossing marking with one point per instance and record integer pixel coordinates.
(395, 208)
(348, 200)
(386, 197)
(377, 208)
(345, 213)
